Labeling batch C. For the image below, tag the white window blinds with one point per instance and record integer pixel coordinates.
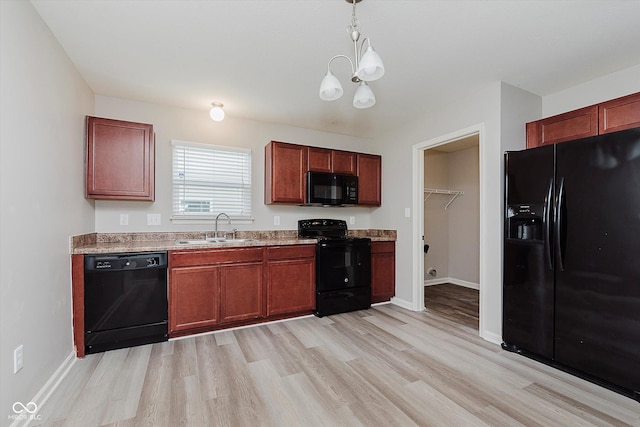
(209, 179)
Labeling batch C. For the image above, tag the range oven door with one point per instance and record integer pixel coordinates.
(343, 264)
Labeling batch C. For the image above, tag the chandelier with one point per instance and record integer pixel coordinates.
(366, 68)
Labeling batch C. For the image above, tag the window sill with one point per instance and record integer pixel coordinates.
(210, 220)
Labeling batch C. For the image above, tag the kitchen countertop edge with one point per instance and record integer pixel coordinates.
(93, 243)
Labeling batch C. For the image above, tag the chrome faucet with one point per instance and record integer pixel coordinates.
(218, 217)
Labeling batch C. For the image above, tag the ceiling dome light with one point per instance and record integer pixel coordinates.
(217, 113)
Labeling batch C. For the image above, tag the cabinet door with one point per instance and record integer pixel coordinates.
(369, 179)
(285, 166)
(619, 114)
(291, 286)
(563, 127)
(194, 298)
(318, 159)
(120, 160)
(241, 292)
(344, 162)
(383, 271)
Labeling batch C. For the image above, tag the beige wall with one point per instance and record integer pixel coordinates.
(453, 234)
(196, 126)
(42, 202)
(464, 216)
(436, 219)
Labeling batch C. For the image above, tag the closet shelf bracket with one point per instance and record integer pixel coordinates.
(453, 193)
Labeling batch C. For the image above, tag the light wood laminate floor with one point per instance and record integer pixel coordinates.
(385, 366)
(454, 302)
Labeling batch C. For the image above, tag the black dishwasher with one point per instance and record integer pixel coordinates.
(125, 300)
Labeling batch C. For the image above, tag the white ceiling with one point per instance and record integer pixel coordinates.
(264, 59)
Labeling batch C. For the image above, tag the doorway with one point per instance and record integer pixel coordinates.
(452, 230)
(455, 141)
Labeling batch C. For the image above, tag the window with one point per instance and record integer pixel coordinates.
(209, 179)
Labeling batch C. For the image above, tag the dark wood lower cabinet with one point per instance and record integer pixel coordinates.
(291, 272)
(241, 292)
(383, 271)
(193, 297)
(219, 288)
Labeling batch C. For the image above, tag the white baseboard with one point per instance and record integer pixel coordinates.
(48, 388)
(491, 337)
(452, 280)
(402, 303)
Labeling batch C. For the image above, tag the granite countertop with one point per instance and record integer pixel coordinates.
(97, 243)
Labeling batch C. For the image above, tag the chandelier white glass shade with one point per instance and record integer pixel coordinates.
(216, 113)
(366, 68)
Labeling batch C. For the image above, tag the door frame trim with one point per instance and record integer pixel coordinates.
(418, 209)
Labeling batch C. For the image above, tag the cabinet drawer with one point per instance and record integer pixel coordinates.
(213, 256)
(291, 252)
(383, 247)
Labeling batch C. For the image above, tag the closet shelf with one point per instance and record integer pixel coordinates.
(453, 193)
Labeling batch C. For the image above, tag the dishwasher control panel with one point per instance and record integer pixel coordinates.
(132, 261)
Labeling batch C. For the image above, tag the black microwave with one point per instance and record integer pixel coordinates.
(331, 189)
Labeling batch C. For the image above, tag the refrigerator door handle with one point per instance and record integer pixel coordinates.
(558, 218)
(546, 224)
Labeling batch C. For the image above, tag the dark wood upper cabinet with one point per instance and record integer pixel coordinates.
(285, 165)
(120, 160)
(344, 162)
(331, 161)
(563, 127)
(619, 114)
(369, 179)
(611, 116)
(318, 159)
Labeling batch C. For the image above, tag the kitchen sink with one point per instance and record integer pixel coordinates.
(210, 241)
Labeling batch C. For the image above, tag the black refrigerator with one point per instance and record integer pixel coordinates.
(571, 280)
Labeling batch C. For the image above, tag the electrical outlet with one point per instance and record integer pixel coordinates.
(153, 219)
(18, 358)
(276, 220)
(352, 220)
(124, 219)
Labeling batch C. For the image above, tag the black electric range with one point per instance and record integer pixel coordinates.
(343, 266)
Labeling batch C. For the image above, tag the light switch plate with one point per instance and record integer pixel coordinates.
(407, 212)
